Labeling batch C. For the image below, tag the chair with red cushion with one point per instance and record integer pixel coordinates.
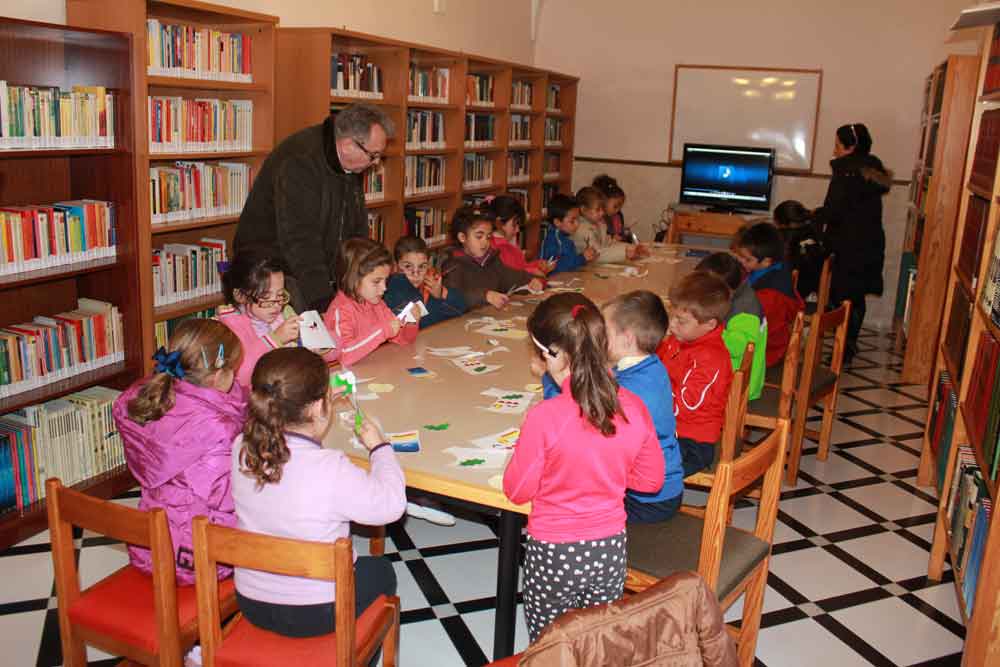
(240, 643)
(146, 618)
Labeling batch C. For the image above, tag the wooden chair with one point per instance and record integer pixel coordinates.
(146, 618)
(773, 375)
(353, 643)
(819, 383)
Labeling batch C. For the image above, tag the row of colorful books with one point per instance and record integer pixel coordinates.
(183, 271)
(480, 130)
(424, 174)
(518, 166)
(982, 403)
(194, 52)
(553, 131)
(178, 125)
(984, 160)
(353, 75)
(73, 438)
(373, 182)
(520, 128)
(424, 129)
(429, 84)
(990, 298)
(428, 223)
(376, 227)
(956, 335)
(553, 97)
(41, 117)
(164, 329)
(551, 165)
(192, 190)
(52, 348)
(479, 89)
(992, 81)
(941, 428)
(44, 236)
(968, 515)
(521, 94)
(477, 170)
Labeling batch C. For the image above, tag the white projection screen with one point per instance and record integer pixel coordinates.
(747, 106)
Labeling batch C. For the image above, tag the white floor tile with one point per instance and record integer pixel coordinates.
(467, 576)
(26, 577)
(818, 574)
(427, 642)
(887, 424)
(426, 534)
(881, 396)
(773, 601)
(96, 563)
(942, 597)
(885, 457)
(835, 469)
(410, 595)
(840, 434)
(804, 642)
(908, 560)
(480, 624)
(746, 518)
(20, 637)
(849, 380)
(898, 631)
(823, 514)
(846, 403)
(890, 501)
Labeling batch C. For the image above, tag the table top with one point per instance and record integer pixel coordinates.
(450, 395)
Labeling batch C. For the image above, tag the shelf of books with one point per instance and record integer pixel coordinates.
(71, 318)
(932, 217)
(205, 81)
(960, 454)
(467, 126)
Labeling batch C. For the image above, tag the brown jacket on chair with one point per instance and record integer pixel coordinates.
(676, 623)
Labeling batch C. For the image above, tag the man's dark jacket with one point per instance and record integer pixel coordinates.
(302, 206)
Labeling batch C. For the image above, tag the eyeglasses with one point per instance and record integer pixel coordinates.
(374, 157)
(282, 299)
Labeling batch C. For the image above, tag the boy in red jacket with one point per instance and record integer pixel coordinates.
(699, 365)
(761, 251)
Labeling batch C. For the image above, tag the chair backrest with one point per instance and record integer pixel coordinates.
(67, 508)
(790, 370)
(825, 278)
(823, 323)
(736, 408)
(294, 558)
(795, 279)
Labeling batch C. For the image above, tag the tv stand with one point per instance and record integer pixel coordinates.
(706, 223)
(725, 210)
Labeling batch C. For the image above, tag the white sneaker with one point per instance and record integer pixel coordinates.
(430, 514)
(193, 657)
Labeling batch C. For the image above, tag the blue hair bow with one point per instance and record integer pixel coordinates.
(169, 363)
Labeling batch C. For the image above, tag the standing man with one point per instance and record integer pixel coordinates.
(309, 198)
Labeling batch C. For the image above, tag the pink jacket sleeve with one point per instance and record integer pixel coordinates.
(375, 497)
(523, 475)
(357, 338)
(648, 467)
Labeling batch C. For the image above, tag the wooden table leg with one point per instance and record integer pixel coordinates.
(508, 564)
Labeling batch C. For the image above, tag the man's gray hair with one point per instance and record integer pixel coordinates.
(356, 122)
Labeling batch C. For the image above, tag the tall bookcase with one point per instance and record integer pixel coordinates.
(41, 55)
(131, 16)
(305, 96)
(935, 197)
(965, 319)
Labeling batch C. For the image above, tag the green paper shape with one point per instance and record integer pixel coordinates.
(437, 427)
(512, 397)
(472, 462)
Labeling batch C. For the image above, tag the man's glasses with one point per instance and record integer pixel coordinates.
(374, 157)
(281, 300)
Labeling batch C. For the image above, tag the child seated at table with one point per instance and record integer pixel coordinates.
(357, 316)
(593, 232)
(475, 269)
(557, 242)
(416, 280)
(698, 364)
(507, 228)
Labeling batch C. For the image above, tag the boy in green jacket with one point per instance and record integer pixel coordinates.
(745, 322)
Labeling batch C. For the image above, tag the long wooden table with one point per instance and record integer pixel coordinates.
(453, 397)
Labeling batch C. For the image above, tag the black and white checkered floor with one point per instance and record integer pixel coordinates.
(848, 578)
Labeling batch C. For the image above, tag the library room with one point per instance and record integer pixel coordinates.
(537, 332)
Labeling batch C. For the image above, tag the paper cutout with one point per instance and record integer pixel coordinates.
(381, 388)
(412, 312)
(502, 331)
(313, 333)
(502, 393)
(370, 396)
(511, 406)
(405, 441)
(472, 462)
(494, 459)
(437, 427)
(449, 351)
(534, 387)
(417, 370)
(474, 366)
(526, 288)
(633, 272)
(578, 290)
(505, 439)
(496, 481)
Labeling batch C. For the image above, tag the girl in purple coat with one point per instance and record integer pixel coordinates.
(178, 427)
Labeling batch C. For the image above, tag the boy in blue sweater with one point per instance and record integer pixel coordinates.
(416, 281)
(557, 243)
(636, 323)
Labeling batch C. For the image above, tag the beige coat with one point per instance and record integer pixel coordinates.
(595, 235)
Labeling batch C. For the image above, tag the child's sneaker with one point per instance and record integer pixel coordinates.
(430, 514)
(193, 657)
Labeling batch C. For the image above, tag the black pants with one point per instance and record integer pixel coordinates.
(695, 456)
(655, 512)
(858, 308)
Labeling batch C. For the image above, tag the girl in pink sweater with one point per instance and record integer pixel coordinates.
(507, 228)
(357, 316)
(577, 454)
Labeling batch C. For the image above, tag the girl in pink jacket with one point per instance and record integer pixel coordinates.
(508, 225)
(178, 427)
(576, 455)
(357, 316)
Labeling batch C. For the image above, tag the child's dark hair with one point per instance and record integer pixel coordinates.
(790, 213)
(589, 197)
(249, 274)
(197, 340)
(642, 313)
(762, 240)
(467, 217)
(572, 323)
(285, 382)
(609, 186)
(359, 257)
(705, 295)
(856, 135)
(723, 265)
(560, 205)
(505, 207)
(407, 244)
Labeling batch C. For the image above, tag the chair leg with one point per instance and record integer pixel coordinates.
(826, 430)
(795, 449)
(753, 603)
(73, 649)
(390, 645)
(376, 543)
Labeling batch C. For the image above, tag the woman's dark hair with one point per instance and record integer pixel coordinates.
(791, 212)
(506, 207)
(198, 341)
(359, 257)
(609, 186)
(466, 217)
(407, 244)
(249, 274)
(572, 323)
(856, 135)
(589, 196)
(723, 265)
(285, 383)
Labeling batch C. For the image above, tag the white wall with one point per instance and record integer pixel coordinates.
(874, 56)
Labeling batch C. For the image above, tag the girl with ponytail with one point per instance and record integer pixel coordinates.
(286, 483)
(577, 454)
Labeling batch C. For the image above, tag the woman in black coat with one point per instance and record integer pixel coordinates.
(851, 224)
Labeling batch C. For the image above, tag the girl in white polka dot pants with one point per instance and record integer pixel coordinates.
(571, 575)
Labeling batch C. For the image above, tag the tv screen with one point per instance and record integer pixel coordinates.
(731, 177)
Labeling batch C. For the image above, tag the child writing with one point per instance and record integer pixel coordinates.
(699, 366)
(761, 252)
(745, 322)
(803, 246)
(257, 309)
(416, 280)
(178, 428)
(510, 217)
(614, 200)
(357, 316)
(286, 483)
(557, 243)
(593, 233)
(576, 455)
(475, 269)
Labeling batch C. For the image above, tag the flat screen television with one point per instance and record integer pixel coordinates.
(727, 177)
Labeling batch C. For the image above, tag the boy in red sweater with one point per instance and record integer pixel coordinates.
(761, 251)
(699, 365)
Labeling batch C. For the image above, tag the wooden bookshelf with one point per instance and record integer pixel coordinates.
(38, 54)
(304, 97)
(130, 16)
(936, 193)
(982, 644)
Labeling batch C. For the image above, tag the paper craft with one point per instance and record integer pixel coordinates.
(448, 351)
(472, 462)
(503, 331)
(380, 388)
(412, 312)
(421, 373)
(437, 427)
(474, 366)
(556, 283)
(502, 393)
(494, 459)
(492, 341)
(505, 439)
(578, 290)
(511, 404)
(313, 333)
(526, 288)
(405, 441)
(614, 266)
(534, 387)
(653, 259)
(370, 396)
(496, 481)
(633, 272)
